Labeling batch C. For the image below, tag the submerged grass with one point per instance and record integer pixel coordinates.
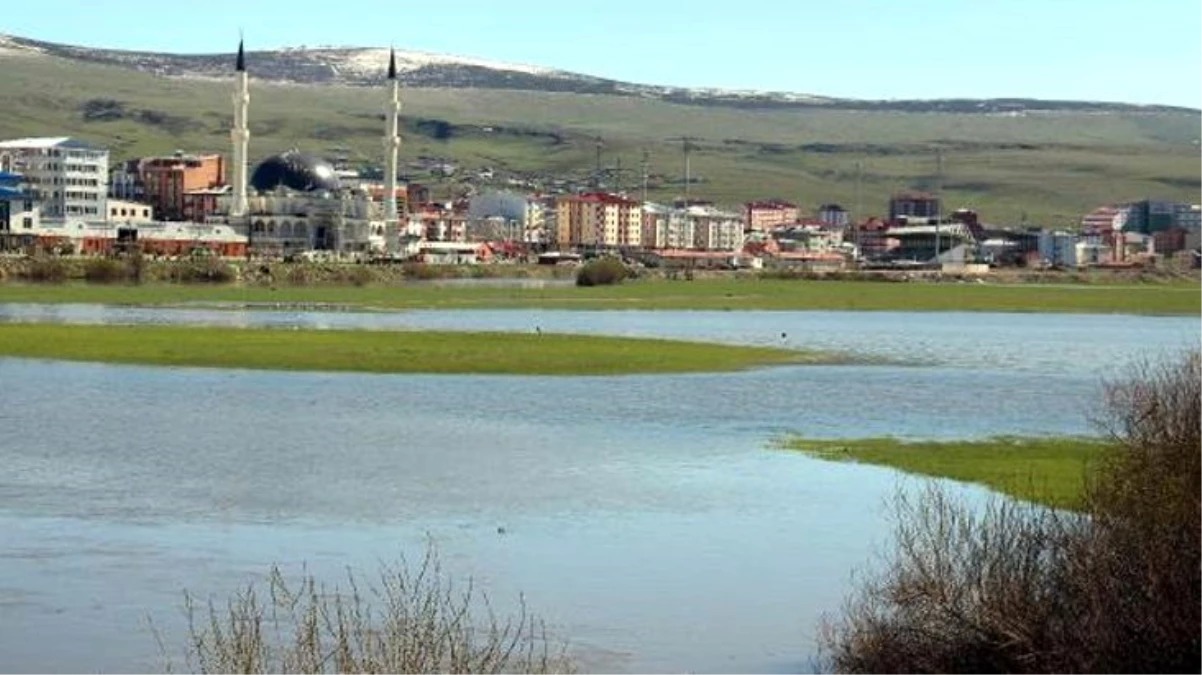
(385, 352)
(1047, 470)
(709, 294)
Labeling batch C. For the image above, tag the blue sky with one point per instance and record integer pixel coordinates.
(1136, 51)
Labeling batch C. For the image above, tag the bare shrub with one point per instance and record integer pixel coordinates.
(413, 620)
(356, 275)
(965, 591)
(213, 271)
(1023, 588)
(105, 271)
(1146, 503)
(45, 269)
(299, 274)
(423, 271)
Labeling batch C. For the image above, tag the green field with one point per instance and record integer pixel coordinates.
(1045, 168)
(386, 352)
(1180, 298)
(1047, 470)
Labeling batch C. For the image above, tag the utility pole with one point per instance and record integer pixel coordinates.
(597, 175)
(688, 174)
(618, 175)
(646, 159)
(938, 198)
(855, 221)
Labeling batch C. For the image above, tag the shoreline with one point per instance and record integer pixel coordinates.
(732, 293)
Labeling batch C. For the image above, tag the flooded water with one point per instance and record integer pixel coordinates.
(647, 518)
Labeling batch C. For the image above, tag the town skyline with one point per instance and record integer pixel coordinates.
(866, 50)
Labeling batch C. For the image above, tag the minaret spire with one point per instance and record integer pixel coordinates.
(240, 133)
(392, 143)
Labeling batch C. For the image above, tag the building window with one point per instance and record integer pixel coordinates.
(27, 223)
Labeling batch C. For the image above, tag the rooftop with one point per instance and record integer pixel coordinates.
(47, 142)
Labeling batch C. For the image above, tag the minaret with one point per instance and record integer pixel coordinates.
(392, 142)
(240, 134)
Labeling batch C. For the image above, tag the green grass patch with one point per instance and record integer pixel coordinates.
(385, 352)
(1181, 298)
(1047, 470)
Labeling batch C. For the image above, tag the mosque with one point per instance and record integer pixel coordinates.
(296, 202)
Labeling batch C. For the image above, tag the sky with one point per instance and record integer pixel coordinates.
(1131, 51)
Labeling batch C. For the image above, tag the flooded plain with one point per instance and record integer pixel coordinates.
(647, 518)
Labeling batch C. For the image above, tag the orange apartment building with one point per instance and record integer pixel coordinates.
(598, 219)
(168, 180)
(764, 216)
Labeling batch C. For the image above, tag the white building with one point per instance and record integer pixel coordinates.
(715, 230)
(696, 227)
(67, 176)
(121, 212)
(666, 228)
(1062, 249)
(539, 220)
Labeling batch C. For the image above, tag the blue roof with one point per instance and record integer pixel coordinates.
(8, 193)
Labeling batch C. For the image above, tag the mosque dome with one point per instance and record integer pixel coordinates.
(296, 171)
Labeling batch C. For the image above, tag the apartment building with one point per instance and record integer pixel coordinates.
(166, 181)
(833, 215)
(598, 219)
(913, 205)
(666, 228)
(766, 215)
(67, 176)
(715, 230)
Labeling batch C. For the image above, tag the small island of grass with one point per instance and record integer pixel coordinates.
(386, 352)
(1047, 470)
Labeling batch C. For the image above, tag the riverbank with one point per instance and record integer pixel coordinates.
(386, 352)
(726, 293)
(1046, 470)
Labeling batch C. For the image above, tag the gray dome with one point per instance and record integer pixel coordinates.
(296, 171)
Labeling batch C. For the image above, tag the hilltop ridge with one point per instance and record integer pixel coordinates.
(360, 66)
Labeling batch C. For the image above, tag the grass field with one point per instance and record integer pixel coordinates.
(1048, 470)
(385, 352)
(1178, 298)
(1050, 168)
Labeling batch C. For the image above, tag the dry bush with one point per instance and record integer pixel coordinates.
(105, 271)
(413, 620)
(214, 271)
(356, 275)
(44, 269)
(1022, 588)
(965, 591)
(1146, 504)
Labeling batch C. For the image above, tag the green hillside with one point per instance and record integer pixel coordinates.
(1050, 166)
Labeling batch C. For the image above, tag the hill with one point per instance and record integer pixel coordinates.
(531, 126)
